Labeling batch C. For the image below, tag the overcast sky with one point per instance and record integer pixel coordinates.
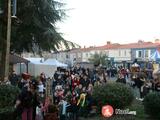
(94, 22)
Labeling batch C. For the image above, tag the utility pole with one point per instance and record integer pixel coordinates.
(6, 36)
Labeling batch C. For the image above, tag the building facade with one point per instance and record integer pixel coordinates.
(143, 51)
(120, 53)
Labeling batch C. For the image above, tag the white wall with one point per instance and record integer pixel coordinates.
(19, 69)
(88, 54)
(120, 54)
(71, 57)
(36, 69)
(85, 56)
(61, 56)
(49, 70)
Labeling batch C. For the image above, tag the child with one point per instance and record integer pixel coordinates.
(121, 79)
(59, 93)
(48, 101)
(145, 89)
(41, 89)
(39, 115)
(63, 107)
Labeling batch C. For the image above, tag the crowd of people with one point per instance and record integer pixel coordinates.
(72, 91)
(75, 87)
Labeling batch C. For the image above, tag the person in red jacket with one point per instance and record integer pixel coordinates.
(75, 82)
(43, 78)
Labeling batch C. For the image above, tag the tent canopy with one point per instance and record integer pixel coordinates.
(155, 55)
(36, 60)
(50, 61)
(14, 59)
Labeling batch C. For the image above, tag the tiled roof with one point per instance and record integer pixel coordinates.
(127, 46)
(75, 50)
(111, 46)
(139, 45)
(118, 46)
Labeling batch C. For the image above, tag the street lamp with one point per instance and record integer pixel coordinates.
(14, 8)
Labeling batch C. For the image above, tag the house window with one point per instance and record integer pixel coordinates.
(91, 54)
(130, 52)
(146, 54)
(79, 55)
(139, 54)
(67, 56)
(86, 54)
(107, 53)
(125, 53)
(119, 53)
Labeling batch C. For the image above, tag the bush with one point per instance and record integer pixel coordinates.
(8, 94)
(152, 104)
(117, 95)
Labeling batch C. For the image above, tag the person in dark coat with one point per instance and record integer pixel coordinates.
(28, 101)
(121, 79)
(85, 81)
(156, 81)
(157, 86)
(139, 82)
(13, 78)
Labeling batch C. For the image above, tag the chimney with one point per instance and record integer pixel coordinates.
(157, 41)
(108, 42)
(140, 41)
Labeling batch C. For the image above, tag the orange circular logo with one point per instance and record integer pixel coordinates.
(107, 111)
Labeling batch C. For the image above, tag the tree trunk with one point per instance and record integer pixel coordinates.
(5, 39)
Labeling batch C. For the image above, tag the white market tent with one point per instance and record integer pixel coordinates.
(55, 62)
(39, 65)
(155, 56)
(36, 60)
